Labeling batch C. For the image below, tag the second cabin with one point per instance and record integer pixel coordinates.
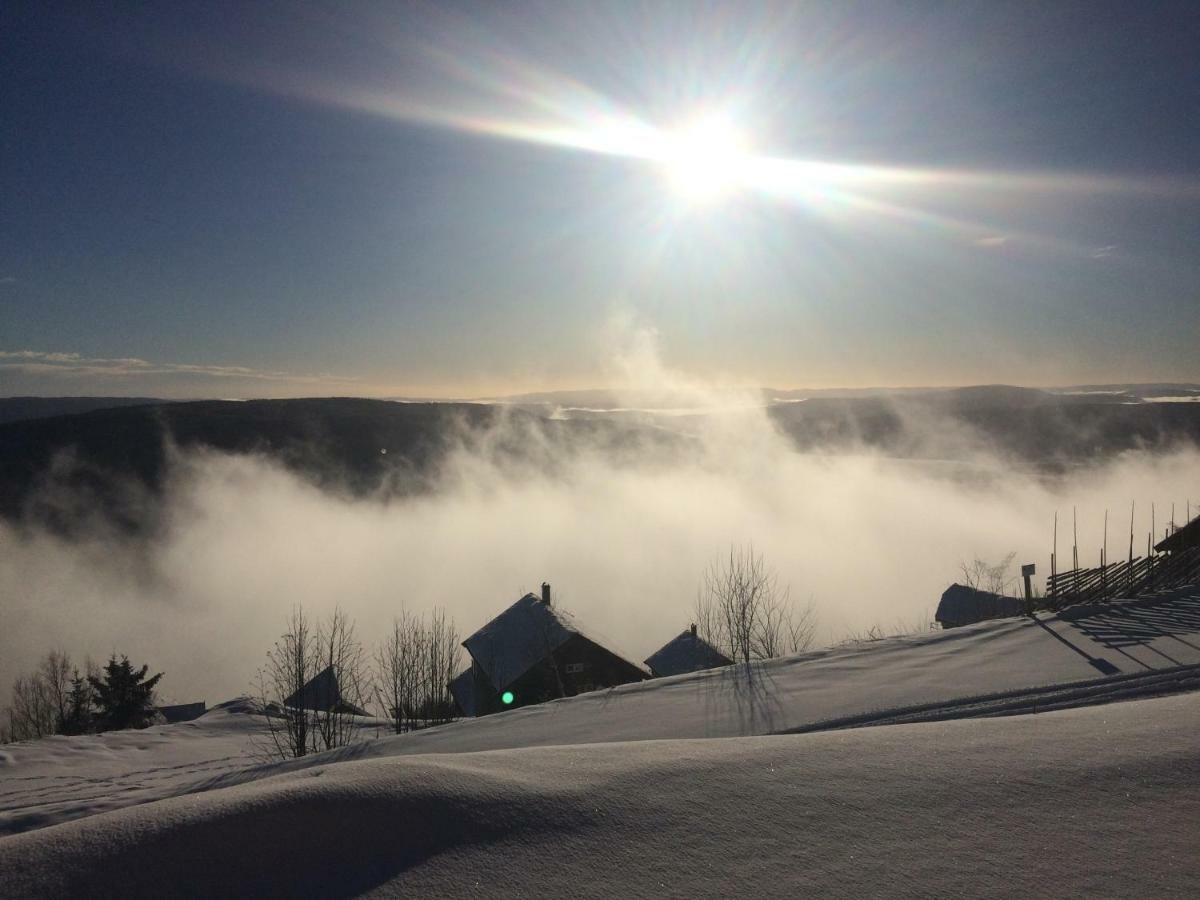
(687, 652)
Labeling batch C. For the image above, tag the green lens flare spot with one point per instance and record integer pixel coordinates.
(507, 698)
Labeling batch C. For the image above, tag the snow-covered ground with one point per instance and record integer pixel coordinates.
(681, 786)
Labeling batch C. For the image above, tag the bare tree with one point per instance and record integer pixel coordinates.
(396, 670)
(30, 712)
(414, 666)
(442, 658)
(301, 721)
(55, 671)
(785, 628)
(290, 665)
(341, 653)
(743, 612)
(994, 579)
(40, 702)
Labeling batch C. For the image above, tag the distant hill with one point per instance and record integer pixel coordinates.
(16, 409)
(1033, 428)
(115, 459)
(1134, 393)
(63, 469)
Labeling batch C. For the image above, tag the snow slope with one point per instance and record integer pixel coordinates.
(788, 694)
(607, 786)
(1102, 800)
(60, 778)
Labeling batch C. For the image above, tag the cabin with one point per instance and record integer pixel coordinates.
(1181, 538)
(323, 694)
(687, 652)
(462, 689)
(532, 653)
(963, 605)
(182, 712)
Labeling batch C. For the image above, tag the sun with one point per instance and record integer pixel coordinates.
(705, 160)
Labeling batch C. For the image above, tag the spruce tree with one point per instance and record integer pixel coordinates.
(78, 718)
(123, 697)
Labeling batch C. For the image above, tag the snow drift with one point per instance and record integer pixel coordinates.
(1100, 800)
(684, 786)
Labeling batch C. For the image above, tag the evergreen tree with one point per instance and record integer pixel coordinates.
(78, 718)
(124, 698)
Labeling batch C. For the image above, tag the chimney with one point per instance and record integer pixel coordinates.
(693, 629)
(546, 592)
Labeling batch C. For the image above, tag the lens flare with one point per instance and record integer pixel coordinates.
(467, 84)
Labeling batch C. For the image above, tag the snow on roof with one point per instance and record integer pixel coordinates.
(687, 652)
(516, 640)
(463, 689)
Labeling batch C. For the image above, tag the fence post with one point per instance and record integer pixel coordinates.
(1027, 572)
(1150, 561)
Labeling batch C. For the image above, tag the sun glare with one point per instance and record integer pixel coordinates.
(706, 160)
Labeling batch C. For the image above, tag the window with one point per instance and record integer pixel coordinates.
(573, 668)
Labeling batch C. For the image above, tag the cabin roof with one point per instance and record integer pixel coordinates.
(686, 652)
(962, 605)
(1187, 536)
(322, 693)
(516, 640)
(182, 712)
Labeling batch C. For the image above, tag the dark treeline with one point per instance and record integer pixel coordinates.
(58, 698)
(1029, 428)
(60, 471)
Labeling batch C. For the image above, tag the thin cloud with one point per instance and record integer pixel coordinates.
(71, 365)
(1104, 252)
(992, 240)
(8, 279)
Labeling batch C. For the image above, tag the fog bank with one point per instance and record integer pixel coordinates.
(624, 544)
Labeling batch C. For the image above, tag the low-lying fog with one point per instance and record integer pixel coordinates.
(624, 546)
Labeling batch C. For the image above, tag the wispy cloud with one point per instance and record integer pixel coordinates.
(8, 279)
(1103, 252)
(992, 240)
(72, 365)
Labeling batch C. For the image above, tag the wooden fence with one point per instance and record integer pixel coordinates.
(1133, 578)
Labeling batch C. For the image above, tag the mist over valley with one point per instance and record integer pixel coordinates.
(186, 531)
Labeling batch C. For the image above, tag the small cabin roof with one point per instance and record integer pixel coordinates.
(322, 693)
(964, 605)
(686, 652)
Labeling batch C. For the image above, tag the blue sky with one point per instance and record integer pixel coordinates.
(259, 199)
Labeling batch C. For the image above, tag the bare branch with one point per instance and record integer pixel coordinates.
(743, 612)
